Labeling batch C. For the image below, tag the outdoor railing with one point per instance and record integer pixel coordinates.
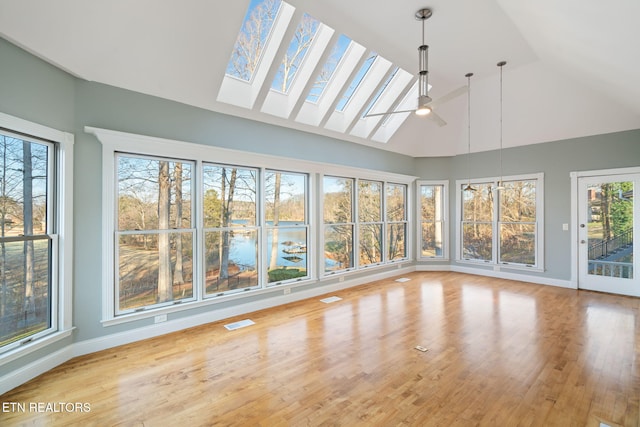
(606, 247)
(611, 269)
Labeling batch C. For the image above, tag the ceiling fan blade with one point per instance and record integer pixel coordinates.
(389, 112)
(436, 118)
(448, 97)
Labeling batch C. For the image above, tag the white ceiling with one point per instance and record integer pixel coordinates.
(572, 65)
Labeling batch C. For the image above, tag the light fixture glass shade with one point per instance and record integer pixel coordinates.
(423, 111)
(423, 105)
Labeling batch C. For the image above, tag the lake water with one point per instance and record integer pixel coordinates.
(290, 237)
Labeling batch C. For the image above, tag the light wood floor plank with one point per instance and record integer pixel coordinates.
(500, 353)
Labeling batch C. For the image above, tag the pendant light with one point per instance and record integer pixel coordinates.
(500, 183)
(469, 187)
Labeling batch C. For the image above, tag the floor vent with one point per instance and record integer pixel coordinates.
(239, 324)
(330, 300)
(402, 280)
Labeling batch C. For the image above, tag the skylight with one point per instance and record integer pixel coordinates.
(328, 69)
(315, 75)
(302, 39)
(252, 38)
(380, 91)
(356, 82)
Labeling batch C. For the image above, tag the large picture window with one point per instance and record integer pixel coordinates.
(502, 225)
(26, 236)
(517, 225)
(477, 222)
(370, 222)
(396, 207)
(432, 214)
(231, 233)
(185, 223)
(286, 225)
(338, 223)
(155, 232)
(35, 285)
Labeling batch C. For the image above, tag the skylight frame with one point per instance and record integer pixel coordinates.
(315, 113)
(356, 82)
(341, 121)
(301, 57)
(264, 39)
(282, 104)
(362, 91)
(392, 123)
(242, 93)
(387, 97)
(379, 92)
(337, 49)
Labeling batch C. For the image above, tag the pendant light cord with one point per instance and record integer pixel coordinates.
(501, 64)
(468, 76)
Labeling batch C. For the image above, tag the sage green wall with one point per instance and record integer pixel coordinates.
(556, 160)
(36, 91)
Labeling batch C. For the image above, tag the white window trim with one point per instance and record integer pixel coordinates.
(539, 249)
(405, 221)
(445, 220)
(62, 271)
(115, 141)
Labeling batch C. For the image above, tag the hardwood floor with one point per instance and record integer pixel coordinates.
(500, 353)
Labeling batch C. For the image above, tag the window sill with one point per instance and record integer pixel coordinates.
(33, 346)
(276, 290)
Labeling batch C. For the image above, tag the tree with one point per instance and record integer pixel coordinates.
(302, 39)
(273, 263)
(165, 289)
(252, 39)
(178, 277)
(29, 255)
(226, 212)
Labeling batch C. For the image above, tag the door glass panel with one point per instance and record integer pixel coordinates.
(610, 229)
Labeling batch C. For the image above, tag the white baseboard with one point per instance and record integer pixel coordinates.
(514, 276)
(433, 267)
(22, 375)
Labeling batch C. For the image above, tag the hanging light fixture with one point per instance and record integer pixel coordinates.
(423, 68)
(469, 187)
(500, 183)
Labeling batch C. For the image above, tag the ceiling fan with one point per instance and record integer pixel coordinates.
(425, 104)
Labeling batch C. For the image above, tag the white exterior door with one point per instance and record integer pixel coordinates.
(608, 227)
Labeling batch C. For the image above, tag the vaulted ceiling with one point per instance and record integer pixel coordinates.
(571, 68)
